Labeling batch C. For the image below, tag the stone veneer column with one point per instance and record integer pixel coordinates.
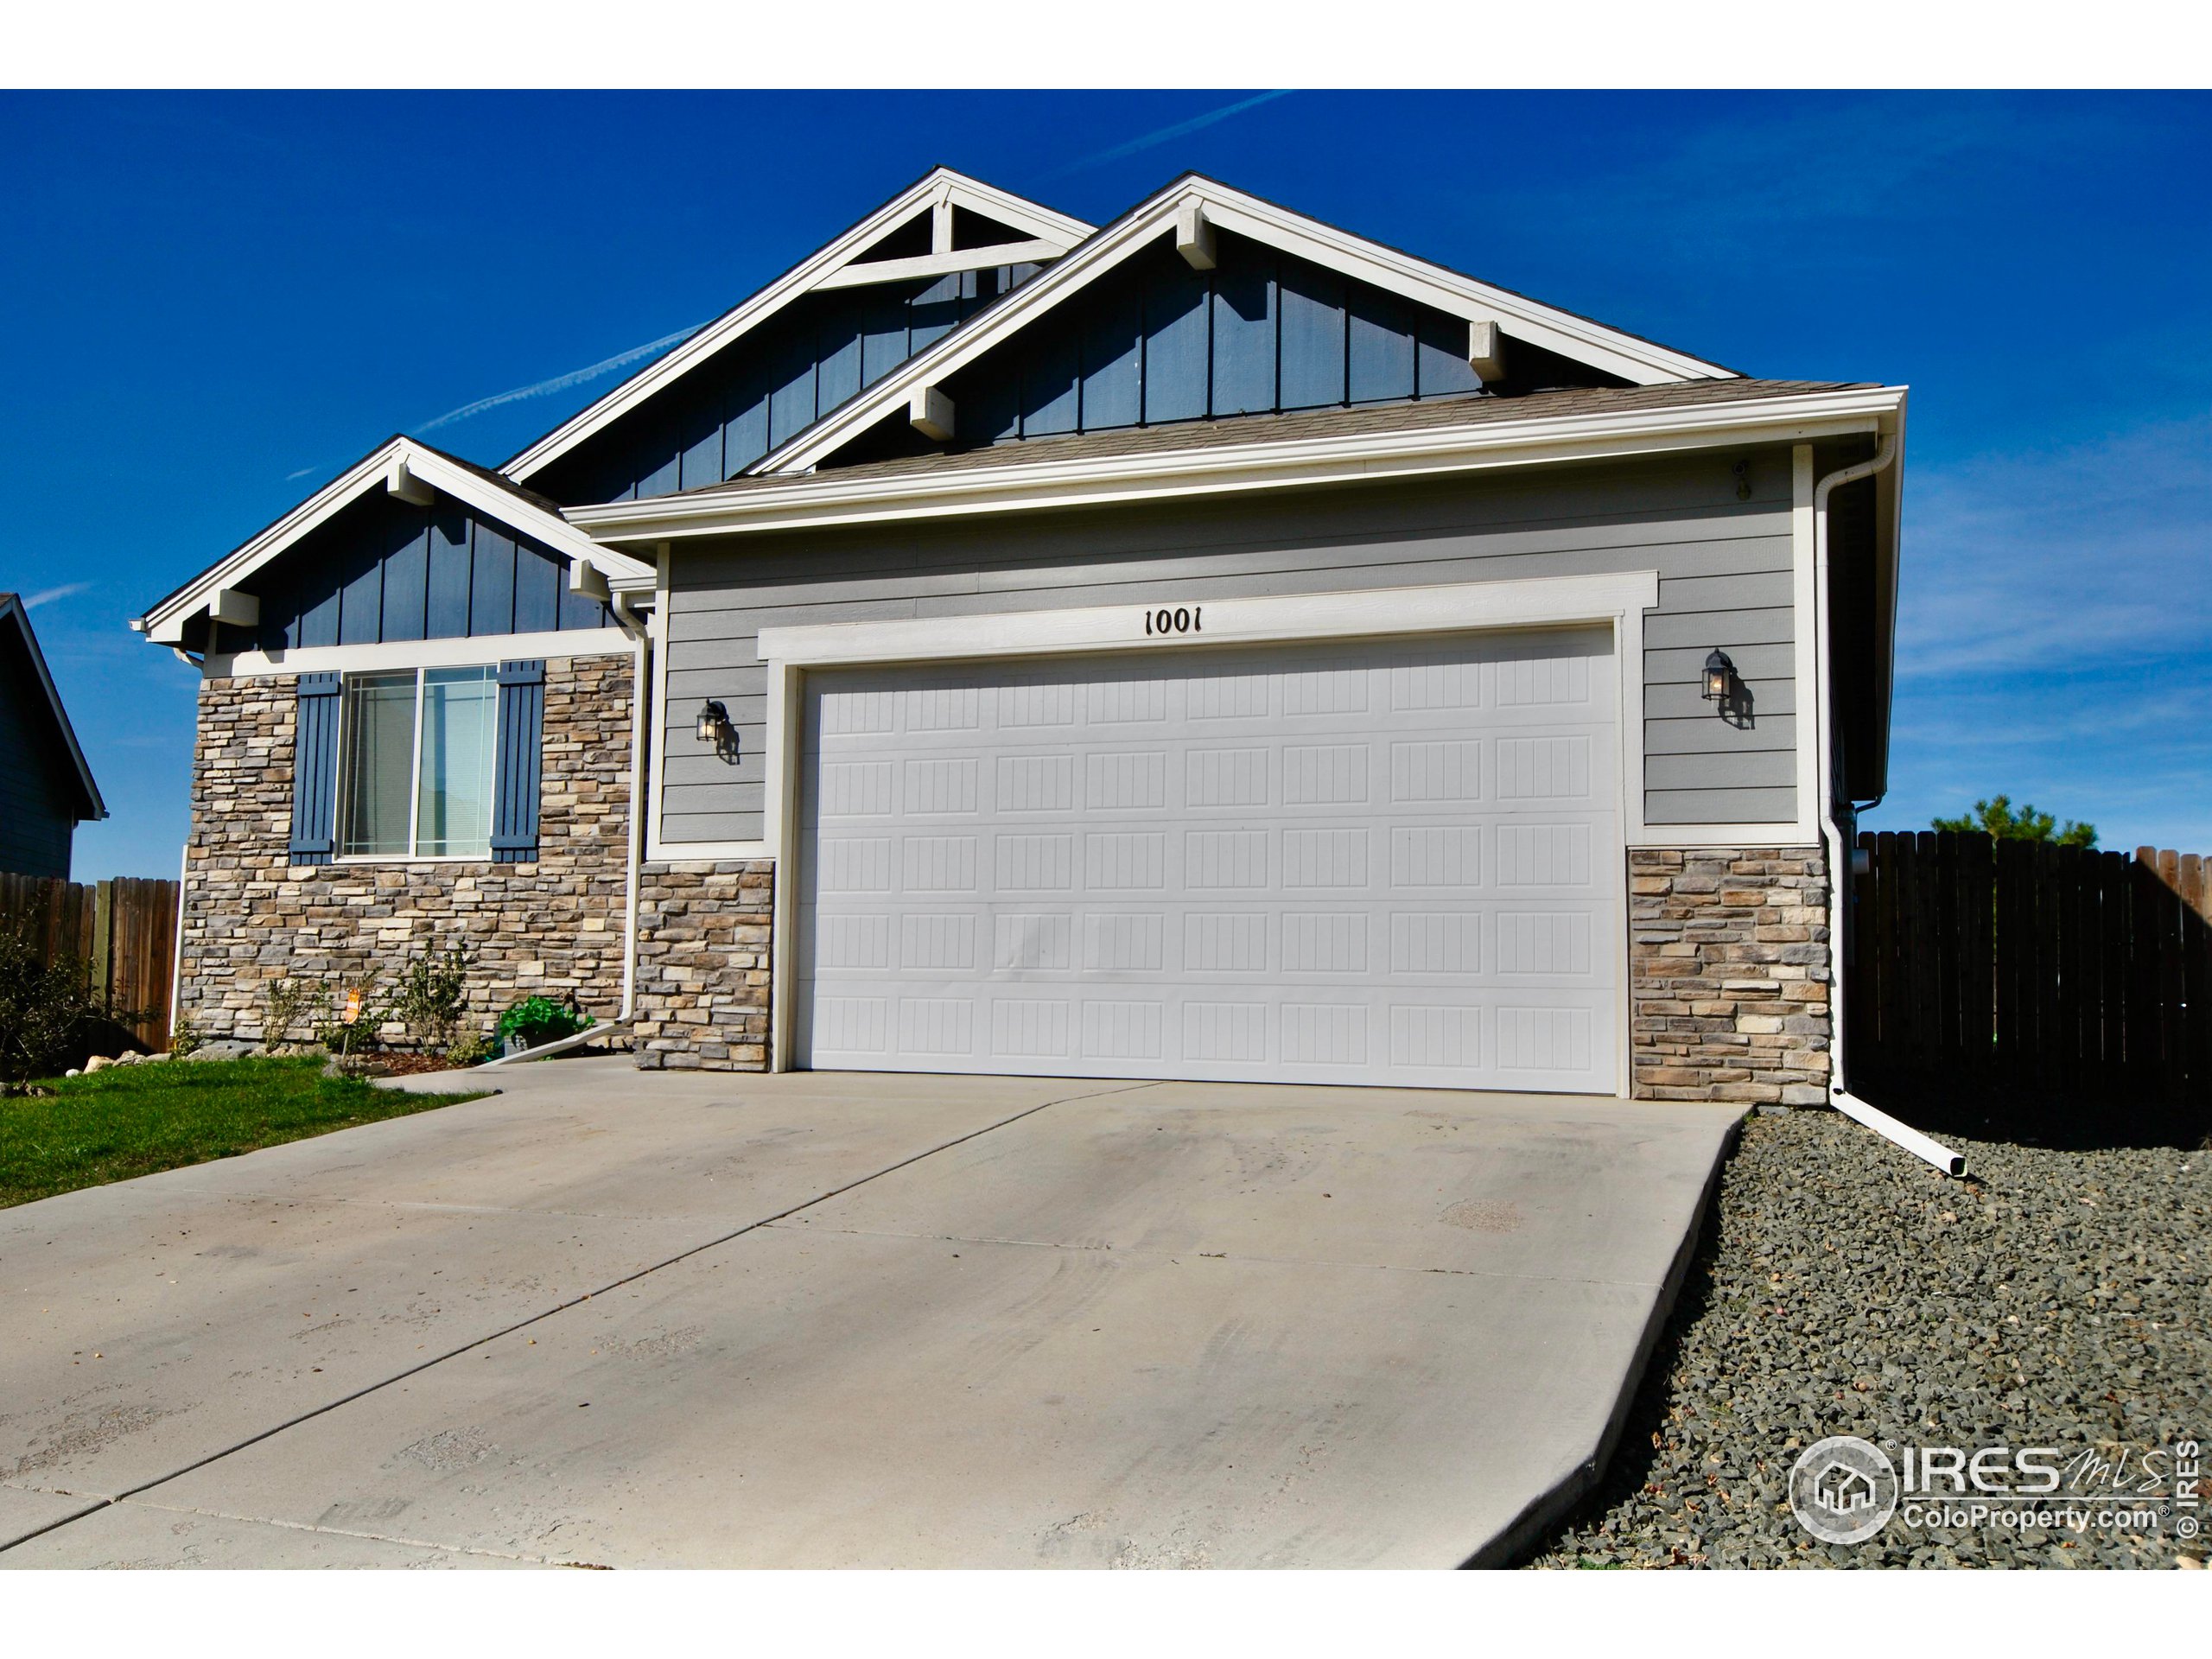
(552, 928)
(1728, 974)
(702, 965)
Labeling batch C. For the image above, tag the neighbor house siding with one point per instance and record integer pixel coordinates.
(39, 790)
(1725, 567)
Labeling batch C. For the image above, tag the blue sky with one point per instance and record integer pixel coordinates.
(209, 303)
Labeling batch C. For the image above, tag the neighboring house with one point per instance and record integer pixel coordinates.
(1212, 646)
(46, 788)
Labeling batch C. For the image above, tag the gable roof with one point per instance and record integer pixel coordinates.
(838, 263)
(399, 464)
(1194, 200)
(1364, 443)
(15, 612)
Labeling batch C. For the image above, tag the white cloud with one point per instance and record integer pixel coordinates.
(2059, 560)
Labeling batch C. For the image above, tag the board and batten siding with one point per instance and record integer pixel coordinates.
(1725, 567)
(383, 571)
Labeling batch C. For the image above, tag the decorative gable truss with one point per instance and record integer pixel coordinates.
(892, 285)
(408, 544)
(1205, 302)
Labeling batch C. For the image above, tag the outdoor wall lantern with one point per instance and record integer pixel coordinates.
(715, 732)
(1719, 678)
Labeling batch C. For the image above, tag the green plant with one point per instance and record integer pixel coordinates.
(133, 1120)
(540, 1020)
(49, 1012)
(185, 1037)
(470, 1048)
(433, 995)
(1996, 817)
(353, 1016)
(290, 1003)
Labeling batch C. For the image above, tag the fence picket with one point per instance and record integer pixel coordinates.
(123, 931)
(2052, 977)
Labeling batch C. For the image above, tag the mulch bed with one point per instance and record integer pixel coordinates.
(408, 1065)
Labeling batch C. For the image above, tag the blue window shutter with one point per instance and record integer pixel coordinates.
(315, 771)
(514, 792)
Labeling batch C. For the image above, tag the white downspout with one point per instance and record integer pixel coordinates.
(640, 677)
(1851, 1106)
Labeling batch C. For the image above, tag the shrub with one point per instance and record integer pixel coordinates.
(433, 995)
(470, 1048)
(184, 1036)
(539, 1019)
(290, 1003)
(48, 1012)
(354, 1036)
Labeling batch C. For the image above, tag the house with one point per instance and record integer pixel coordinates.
(1843, 1489)
(1213, 645)
(46, 788)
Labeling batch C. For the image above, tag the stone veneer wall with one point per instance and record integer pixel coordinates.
(553, 927)
(702, 965)
(1728, 974)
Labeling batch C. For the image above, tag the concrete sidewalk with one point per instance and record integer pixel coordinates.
(838, 1320)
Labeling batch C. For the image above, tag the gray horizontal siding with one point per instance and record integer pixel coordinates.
(1691, 807)
(1725, 579)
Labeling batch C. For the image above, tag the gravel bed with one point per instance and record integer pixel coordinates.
(2057, 1297)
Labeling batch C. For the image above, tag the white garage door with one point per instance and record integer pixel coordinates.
(1392, 863)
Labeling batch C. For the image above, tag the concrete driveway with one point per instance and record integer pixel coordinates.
(833, 1320)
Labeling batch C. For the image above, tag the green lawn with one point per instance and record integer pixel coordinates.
(134, 1120)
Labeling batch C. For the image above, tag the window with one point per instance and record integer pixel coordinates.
(416, 756)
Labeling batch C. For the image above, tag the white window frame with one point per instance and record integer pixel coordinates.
(342, 794)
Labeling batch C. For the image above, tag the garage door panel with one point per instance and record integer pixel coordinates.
(1386, 863)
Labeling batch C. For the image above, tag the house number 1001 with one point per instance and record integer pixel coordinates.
(1182, 619)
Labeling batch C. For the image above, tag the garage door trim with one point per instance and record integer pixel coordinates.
(1617, 600)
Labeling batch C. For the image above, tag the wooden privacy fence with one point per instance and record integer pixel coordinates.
(123, 930)
(2062, 977)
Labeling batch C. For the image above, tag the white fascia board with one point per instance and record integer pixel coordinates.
(164, 625)
(1616, 352)
(511, 509)
(823, 498)
(941, 186)
(1456, 296)
(1537, 601)
(473, 651)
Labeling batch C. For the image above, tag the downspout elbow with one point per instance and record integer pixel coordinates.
(630, 621)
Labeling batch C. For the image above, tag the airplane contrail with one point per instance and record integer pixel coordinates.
(1165, 134)
(539, 389)
(561, 382)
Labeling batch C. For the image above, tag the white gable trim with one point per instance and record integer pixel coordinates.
(401, 466)
(1633, 359)
(1050, 234)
